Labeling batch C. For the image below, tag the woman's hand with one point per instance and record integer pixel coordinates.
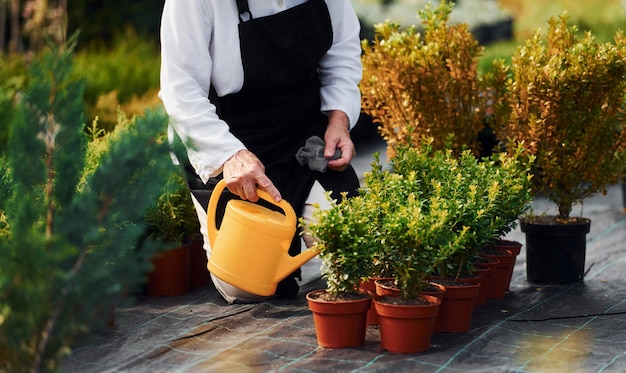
(337, 136)
(244, 172)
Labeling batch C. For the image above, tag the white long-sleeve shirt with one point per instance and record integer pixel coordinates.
(200, 49)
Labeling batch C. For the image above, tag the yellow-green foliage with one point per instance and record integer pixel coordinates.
(114, 77)
(417, 86)
(100, 141)
(430, 211)
(172, 219)
(12, 71)
(347, 238)
(13, 78)
(564, 102)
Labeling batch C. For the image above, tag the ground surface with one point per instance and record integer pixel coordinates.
(565, 328)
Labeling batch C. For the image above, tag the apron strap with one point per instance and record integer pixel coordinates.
(244, 11)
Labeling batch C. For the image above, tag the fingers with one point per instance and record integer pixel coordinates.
(249, 189)
(342, 163)
(336, 137)
(264, 183)
(243, 173)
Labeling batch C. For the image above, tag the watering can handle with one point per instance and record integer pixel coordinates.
(290, 214)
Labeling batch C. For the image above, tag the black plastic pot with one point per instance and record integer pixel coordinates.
(555, 253)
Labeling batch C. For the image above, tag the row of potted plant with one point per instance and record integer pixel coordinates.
(561, 96)
(427, 216)
(556, 114)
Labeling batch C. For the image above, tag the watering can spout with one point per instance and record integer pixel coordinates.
(290, 263)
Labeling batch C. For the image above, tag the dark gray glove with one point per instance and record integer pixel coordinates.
(312, 154)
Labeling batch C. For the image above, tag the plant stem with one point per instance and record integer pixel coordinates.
(56, 313)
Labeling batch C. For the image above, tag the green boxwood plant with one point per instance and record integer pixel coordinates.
(482, 198)
(429, 212)
(347, 240)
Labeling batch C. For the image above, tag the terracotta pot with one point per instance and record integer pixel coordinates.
(504, 245)
(504, 272)
(406, 328)
(384, 288)
(457, 307)
(198, 272)
(481, 273)
(339, 324)
(435, 290)
(170, 273)
(488, 268)
(370, 287)
(111, 317)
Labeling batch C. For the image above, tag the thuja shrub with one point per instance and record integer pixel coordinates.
(70, 220)
(417, 86)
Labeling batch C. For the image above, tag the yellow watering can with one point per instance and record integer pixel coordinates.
(251, 248)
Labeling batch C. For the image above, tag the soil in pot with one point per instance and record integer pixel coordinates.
(387, 286)
(504, 245)
(339, 323)
(435, 289)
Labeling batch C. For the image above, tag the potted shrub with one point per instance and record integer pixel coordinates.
(346, 240)
(564, 103)
(490, 196)
(471, 185)
(426, 84)
(414, 222)
(512, 174)
(484, 199)
(381, 269)
(466, 192)
(413, 231)
(172, 221)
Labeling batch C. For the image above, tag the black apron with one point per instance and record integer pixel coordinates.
(278, 107)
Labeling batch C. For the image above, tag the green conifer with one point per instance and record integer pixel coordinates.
(69, 234)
